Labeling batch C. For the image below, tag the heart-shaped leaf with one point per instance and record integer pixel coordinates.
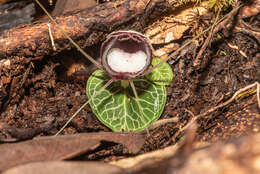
(162, 75)
(117, 108)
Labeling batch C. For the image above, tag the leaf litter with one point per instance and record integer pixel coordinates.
(65, 167)
(63, 147)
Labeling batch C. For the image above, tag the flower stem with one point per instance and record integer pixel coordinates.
(124, 83)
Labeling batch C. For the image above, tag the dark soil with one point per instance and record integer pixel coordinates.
(41, 93)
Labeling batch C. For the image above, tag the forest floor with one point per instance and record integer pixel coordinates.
(40, 95)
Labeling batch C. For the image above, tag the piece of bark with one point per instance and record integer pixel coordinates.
(86, 28)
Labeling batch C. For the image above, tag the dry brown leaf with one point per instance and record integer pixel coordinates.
(251, 9)
(62, 167)
(66, 6)
(240, 156)
(63, 147)
(172, 27)
(183, 146)
(157, 155)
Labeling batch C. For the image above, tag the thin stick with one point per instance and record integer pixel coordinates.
(69, 38)
(206, 43)
(195, 118)
(163, 122)
(138, 103)
(75, 114)
(187, 43)
(258, 93)
(230, 100)
(51, 37)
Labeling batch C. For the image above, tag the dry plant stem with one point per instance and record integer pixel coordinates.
(67, 36)
(195, 118)
(245, 28)
(163, 122)
(258, 93)
(138, 103)
(235, 47)
(256, 84)
(159, 123)
(51, 37)
(76, 113)
(194, 39)
(205, 44)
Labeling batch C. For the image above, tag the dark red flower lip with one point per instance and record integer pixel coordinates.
(129, 42)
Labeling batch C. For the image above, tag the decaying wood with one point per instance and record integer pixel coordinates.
(86, 28)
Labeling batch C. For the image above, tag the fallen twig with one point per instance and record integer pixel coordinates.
(216, 29)
(234, 97)
(206, 43)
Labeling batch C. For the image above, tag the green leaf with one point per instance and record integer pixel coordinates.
(117, 108)
(162, 75)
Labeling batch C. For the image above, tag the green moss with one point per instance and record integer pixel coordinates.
(180, 3)
(212, 5)
(218, 5)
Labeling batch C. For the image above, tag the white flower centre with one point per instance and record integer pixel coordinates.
(121, 61)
